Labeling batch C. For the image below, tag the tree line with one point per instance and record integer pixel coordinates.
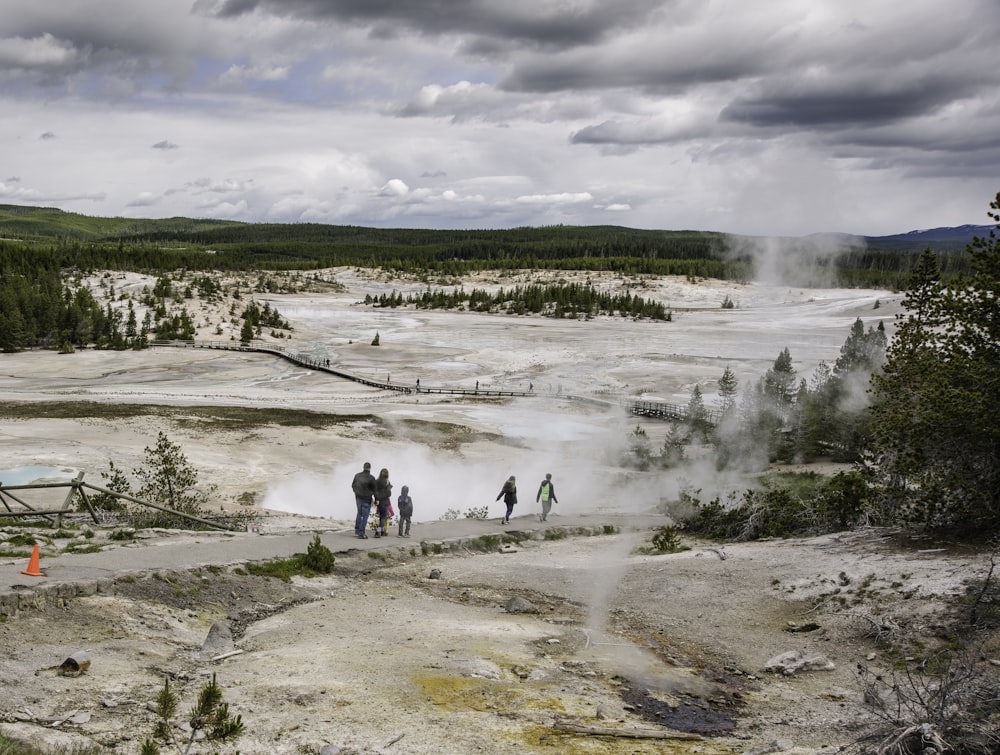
(554, 300)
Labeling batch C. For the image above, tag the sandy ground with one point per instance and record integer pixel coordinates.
(380, 658)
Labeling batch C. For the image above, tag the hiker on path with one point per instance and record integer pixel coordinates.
(383, 501)
(405, 505)
(509, 494)
(363, 486)
(547, 495)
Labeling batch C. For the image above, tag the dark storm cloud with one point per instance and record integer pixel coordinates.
(549, 24)
(642, 69)
(108, 53)
(165, 145)
(824, 108)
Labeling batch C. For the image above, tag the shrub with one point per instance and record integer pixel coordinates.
(667, 539)
(318, 558)
(784, 506)
(946, 702)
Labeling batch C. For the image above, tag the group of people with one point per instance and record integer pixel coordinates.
(546, 495)
(368, 490)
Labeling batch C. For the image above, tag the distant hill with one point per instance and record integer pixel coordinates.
(936, 239)
(27, 222)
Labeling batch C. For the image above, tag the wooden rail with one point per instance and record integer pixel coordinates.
(323, 365)
(78, 489)
(654, 409)
(671, 412)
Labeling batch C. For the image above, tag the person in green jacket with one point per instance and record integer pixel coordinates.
(547, 495)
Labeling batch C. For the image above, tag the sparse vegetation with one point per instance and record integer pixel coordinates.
(666, 539)
(474, 512)
(946, 702)
(318, 559)
(209, 719)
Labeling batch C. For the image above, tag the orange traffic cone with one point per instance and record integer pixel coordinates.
(34, 569)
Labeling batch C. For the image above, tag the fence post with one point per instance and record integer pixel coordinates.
(69, 498)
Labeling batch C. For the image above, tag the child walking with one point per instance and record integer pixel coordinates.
(405, 505)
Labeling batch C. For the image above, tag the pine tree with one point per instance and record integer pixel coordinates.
(935, 419)
(697, 416)
(728, 386)
(168, 478)
(246, 332)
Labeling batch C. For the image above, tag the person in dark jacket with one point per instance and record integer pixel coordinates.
(547, 495)
(404, 504)
(363, 486)
(383, 500)
(509, 494)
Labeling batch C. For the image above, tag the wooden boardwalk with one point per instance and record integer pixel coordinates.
(654, 409)
(323, 365)
(671, 412)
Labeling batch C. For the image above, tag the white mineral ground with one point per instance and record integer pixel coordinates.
(388, 661)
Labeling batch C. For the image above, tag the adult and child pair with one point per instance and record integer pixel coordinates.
(369, 489)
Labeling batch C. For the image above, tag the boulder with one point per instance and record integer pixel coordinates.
(798, 660)
(517, 604)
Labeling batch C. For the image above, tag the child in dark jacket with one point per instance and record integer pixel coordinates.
(404, 506)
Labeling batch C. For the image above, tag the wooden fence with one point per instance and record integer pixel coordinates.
(77, 495)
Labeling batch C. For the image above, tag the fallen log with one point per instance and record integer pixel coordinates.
(607, 731)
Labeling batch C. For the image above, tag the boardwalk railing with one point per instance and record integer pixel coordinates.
(672, 412)
(323, 365)
(78, 489)
(655, 409)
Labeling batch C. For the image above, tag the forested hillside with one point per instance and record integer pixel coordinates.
(63, 239)
(44, 252)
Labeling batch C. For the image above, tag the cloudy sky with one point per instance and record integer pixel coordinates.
(783, 117)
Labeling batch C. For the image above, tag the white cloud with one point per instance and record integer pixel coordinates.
(394, 188)
(144, 199)
(41, 51)
(554, 199)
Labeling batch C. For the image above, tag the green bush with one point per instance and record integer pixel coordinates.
(787, 505)
(318, 557)
(667, 539)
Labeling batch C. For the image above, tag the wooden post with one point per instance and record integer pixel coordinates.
(69, 498)
(87, 503)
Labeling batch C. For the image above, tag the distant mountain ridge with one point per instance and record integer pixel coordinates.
(964, 233)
